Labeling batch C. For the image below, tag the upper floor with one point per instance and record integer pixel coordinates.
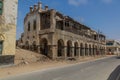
(39, 19)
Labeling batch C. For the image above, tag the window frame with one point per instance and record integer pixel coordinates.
(1, 9)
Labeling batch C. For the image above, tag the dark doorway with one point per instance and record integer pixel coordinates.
(76, 49)
(60, 48)
(44, 47)
(81, 49)
(69, 49)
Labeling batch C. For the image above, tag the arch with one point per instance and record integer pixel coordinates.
(44, 46)
(86, 50)
(76, 49)
(69, 48)
(81, 49)
(60, 48)
(90, 50)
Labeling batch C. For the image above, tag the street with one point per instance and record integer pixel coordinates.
(103, 69)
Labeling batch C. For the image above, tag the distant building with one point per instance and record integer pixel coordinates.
(49, 32)
(8, 15)
(112, 47)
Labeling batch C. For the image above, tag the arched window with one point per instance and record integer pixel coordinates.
(28, 26)
(34, 25)
(1, 7)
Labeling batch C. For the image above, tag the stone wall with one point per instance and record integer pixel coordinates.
(52, 36)
(8, 30)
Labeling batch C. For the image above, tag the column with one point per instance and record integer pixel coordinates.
(72, 52)
(53, 51)
(83, 52)
(38, 49)
(94, 51)
(65, 52)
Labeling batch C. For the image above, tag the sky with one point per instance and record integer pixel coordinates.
(99, 15)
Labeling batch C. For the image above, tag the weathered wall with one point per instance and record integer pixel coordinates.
(53, 36)
(8, 30)
(47, 37)
(31, 33)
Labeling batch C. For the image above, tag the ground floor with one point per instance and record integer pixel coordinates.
(65, 45)
(70, 49)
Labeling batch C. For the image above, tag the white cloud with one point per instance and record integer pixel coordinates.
(83, 2)
(107, 1)
(77, 2)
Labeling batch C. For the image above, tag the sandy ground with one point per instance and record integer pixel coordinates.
(24, 68)
(34, 63)
(24, 56)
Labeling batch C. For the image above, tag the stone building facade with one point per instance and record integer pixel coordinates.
(49, 32)
(8, 15)
(113, 47)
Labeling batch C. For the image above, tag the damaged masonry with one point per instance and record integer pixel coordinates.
(50, 33)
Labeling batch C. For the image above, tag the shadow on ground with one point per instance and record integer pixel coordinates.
(118, 57)
(115, 75)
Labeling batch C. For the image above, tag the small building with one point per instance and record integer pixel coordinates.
(112, 47)
(49, 32)
(8, 16)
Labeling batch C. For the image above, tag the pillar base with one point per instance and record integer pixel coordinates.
(6, 59)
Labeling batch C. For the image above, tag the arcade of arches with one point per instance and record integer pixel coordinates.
(71, 49)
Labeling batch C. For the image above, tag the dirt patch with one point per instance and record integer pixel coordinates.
(26, 57)
(27, 61)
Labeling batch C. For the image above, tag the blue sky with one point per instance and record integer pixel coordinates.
(103, 15)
